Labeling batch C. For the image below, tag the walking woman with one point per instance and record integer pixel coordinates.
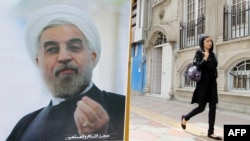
(206, 89)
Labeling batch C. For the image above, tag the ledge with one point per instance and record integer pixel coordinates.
(233, 40)
(185, 89)
(239, 94)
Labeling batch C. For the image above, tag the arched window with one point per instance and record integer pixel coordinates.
(239, 76)
(161, 39)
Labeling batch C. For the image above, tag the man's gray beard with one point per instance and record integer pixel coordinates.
(70, 85)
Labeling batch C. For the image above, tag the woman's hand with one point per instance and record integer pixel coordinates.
(206, 54)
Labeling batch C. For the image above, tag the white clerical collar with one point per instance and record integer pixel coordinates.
(56, 100)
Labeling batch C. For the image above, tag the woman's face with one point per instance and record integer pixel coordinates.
(207, 43)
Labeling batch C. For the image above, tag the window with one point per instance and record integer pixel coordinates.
(236, 19)
(239, 7)
(194, 25)
(190, 18)
(161, 39)
(201, 13)
(240, 76)
(134, 11)
(189, 83)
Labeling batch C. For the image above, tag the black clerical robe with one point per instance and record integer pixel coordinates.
(56, 123)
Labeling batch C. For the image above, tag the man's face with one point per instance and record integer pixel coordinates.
(65, 60)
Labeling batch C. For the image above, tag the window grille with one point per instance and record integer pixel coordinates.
(194, 24)
(236, 19)
(240, 76)
(161, 39)
(188, 83)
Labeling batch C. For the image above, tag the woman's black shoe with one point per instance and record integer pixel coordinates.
(213, 136)
(183, 125)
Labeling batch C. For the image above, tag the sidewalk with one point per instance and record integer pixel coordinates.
(158, 119)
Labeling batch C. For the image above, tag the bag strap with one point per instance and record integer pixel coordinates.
(195, 55)
(194, 59)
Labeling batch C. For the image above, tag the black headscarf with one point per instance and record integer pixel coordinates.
(201, 42)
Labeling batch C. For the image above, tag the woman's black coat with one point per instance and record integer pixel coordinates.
(206, 88)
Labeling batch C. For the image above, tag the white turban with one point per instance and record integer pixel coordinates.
(58, 14)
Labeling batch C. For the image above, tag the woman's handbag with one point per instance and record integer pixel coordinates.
(192, 73)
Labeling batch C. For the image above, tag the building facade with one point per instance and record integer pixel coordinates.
(164, 40)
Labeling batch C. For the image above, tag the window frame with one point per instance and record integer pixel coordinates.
(239, 25)
(235, 76)
(193, 25)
